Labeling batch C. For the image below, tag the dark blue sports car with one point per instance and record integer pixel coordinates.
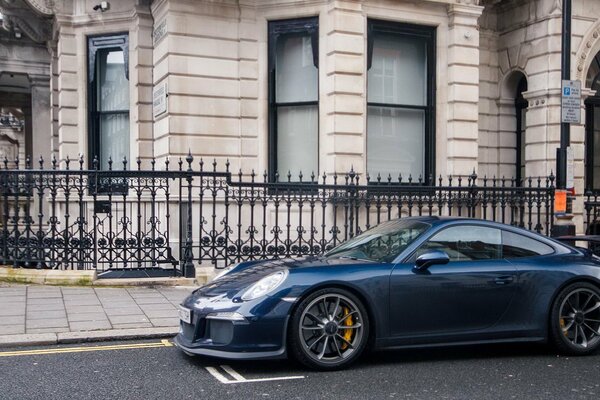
(412, 282)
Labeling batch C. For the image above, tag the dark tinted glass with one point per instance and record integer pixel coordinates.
(466, 243)
(382, 243)
(516, 246)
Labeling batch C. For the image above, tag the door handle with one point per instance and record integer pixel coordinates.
(504, 280)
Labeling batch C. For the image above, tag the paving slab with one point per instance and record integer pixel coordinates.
(84, 309)
(33, 314)
(45, 314)
(12, 329)
(128, 319)
(123, 311)
(80, 317)
(12, 320)
(47, 323)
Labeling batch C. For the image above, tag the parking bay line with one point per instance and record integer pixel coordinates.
(162, 343)
(238, 378)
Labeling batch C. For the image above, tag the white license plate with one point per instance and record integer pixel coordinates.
(185, 314)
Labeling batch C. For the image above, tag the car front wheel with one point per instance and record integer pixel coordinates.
(329, 329)
(575, 319)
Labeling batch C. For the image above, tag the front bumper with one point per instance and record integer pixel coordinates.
(261, 335)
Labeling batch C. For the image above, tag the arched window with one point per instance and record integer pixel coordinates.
(521, 114)
(592, 128)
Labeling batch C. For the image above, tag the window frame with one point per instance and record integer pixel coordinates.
(375, 26)
(276, 28)
(96, 43)
(411, 259)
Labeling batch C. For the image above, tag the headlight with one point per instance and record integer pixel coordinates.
(265, 285)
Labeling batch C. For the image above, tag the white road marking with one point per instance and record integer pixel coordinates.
(213, 371)
(233, 373)
(238, 378)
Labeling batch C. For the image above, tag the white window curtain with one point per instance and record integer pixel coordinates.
(296, 82)
(397, 89)
(113, 105)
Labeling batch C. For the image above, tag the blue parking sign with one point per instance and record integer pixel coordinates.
(567, 91)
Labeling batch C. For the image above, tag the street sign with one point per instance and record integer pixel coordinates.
(570, 168)
(571, 102)
(159, 99)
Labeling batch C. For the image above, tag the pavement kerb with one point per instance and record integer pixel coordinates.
(38, 339)
(88, 278)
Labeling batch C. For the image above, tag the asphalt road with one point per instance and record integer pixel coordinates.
(129, 371)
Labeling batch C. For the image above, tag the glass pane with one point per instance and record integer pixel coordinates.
(114, 139)
(296, 75)
(382, 243)
(398, 73)
(395, 142)
(596, 144)
(466, 243)
(113, 85)
(591, 80)
(515, 246)
(297, 141)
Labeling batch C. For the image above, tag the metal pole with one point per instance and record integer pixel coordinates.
(564, 225)
(565, 65)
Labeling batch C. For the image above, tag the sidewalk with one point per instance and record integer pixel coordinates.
(37, 314)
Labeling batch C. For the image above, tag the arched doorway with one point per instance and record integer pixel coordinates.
(512, 141)
(521, 105)
(592, 128)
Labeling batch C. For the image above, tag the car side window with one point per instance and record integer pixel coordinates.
(466, 243)
(518, 246)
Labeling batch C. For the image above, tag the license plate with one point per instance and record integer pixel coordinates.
(185, 314)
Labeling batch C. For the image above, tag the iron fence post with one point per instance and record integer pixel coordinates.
(188, 268)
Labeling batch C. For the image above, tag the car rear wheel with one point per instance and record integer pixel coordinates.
(575, 319)
(329, 329)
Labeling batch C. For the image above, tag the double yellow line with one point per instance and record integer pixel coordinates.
(61, 350)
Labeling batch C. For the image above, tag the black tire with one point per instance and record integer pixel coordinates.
(342, 330)
(572, 330)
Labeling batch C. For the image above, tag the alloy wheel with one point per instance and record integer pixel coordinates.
(331, 328)
(579, 318)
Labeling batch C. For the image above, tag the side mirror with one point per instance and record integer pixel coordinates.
(433, 257)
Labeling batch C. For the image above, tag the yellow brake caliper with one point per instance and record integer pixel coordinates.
(561, 322)
(347, 332)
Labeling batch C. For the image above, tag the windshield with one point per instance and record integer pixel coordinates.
(382, 243)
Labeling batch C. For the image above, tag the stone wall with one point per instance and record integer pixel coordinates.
(73, 25)
(524, 37)
(217, 79)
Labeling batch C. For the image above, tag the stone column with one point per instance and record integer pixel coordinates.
(463, 89)
(343, 75)
(140, 77)
(68, 73)
(41, 122)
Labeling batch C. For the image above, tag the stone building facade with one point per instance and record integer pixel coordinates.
(418, 88)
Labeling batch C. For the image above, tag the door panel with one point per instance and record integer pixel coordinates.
(470, 293)
(459, 296)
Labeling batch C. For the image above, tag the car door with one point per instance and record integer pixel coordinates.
(470, 293)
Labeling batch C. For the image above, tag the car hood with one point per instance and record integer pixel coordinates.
(246, 274)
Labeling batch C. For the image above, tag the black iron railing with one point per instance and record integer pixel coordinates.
(591, 207)
(185, 214)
